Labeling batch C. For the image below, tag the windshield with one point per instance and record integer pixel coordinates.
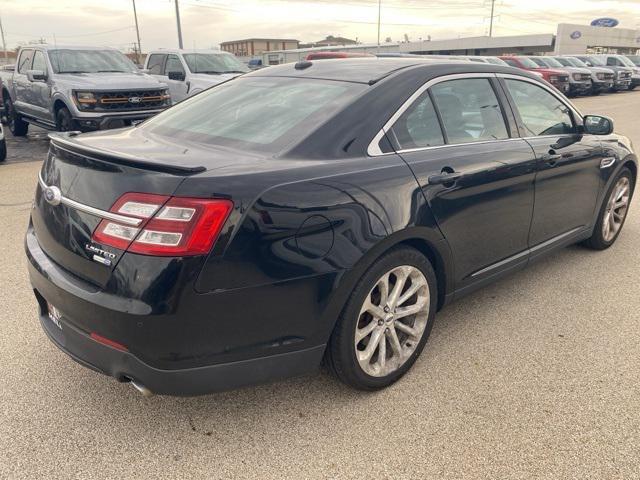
(576, 62)
(214, 63)
(496, 61)
(528, 63)
(565, 62)
(596, 61)
(626, 61)
(255, 113)
(635, 59)
(90, 61)
(552, 62)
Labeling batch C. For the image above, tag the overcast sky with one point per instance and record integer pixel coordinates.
(206, 23)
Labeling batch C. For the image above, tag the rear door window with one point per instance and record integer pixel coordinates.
(541, 112)
(418, 126)
(156, 64)
(470, 110)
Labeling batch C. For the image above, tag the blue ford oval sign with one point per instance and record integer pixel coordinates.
(575, 35)
(605, 22)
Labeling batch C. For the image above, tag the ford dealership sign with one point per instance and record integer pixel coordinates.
(604, 22)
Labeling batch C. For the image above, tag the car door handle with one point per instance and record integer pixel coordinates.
(444, 177)
(551, 158)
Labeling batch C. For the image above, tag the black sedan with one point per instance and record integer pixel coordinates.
(322, 211)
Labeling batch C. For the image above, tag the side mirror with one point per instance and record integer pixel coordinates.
(180, 76)
(36, 76)
(597, 125)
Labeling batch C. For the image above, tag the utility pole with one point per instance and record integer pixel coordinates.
(4, 45)
(493, 4)
(135, 16)
(379, 11)
(178, 22)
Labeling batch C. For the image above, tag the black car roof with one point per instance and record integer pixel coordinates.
(371, 69)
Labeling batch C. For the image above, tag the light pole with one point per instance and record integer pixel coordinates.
(493, 3)
(178, 22)
(4, 45)
(135, 16)
(379, 11)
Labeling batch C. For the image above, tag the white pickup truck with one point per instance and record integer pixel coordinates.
(188, 72)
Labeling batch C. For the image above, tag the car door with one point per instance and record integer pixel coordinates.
(21, 82)
(476, 177)
(177, 88)
(568, 178)
(40, 91)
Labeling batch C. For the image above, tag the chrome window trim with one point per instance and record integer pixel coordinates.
(134, 222)
(373, 149)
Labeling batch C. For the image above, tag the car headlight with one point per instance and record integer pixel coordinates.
(85, 99)
(600, 76)
(577, 76)
(553, 78)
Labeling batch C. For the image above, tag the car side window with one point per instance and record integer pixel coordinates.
(155, 64)
(39, 62)
(418, 126)
(541, 112)
(470, 110)
(173, 65)
(24, 63)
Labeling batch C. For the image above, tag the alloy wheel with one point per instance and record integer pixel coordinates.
(392, 320)
(616, 211)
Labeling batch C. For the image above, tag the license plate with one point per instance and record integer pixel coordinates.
(54, 315)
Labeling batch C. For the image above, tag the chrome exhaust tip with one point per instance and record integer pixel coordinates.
(142, 389)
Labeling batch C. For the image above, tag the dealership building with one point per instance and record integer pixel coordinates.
(568, 39)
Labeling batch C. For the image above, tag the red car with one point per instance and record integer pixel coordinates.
(327, 55)
(557, 78)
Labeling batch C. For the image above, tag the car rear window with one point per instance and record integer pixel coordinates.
(255, 113)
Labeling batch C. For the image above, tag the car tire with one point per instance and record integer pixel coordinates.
(17, 126)
(611, 218)
(3, 150)
(349, 355)
(64, 120)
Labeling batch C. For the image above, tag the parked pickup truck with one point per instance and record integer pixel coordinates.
(188, 72)
(78, 88)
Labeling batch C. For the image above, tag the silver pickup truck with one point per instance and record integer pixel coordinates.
(78, 88)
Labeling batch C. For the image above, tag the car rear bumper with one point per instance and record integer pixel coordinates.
(125, 367)
(121, 320)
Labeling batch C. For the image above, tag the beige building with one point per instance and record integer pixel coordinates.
(257, 46)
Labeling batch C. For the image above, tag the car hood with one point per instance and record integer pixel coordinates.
(577, 70)
(108, 81)
(550, 71)
(600, 70)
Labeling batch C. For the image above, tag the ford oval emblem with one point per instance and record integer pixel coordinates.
(575, 35)
(135, 99)
(53, 195)
(605, 22)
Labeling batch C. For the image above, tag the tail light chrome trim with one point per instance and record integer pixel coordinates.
(57, 198)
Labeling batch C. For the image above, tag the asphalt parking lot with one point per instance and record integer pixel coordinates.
(537, 376)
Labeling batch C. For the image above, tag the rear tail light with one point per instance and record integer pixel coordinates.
(171, 226)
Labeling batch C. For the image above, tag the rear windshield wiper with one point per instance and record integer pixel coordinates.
(234, 71)
(214, 72)
(73, 71)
